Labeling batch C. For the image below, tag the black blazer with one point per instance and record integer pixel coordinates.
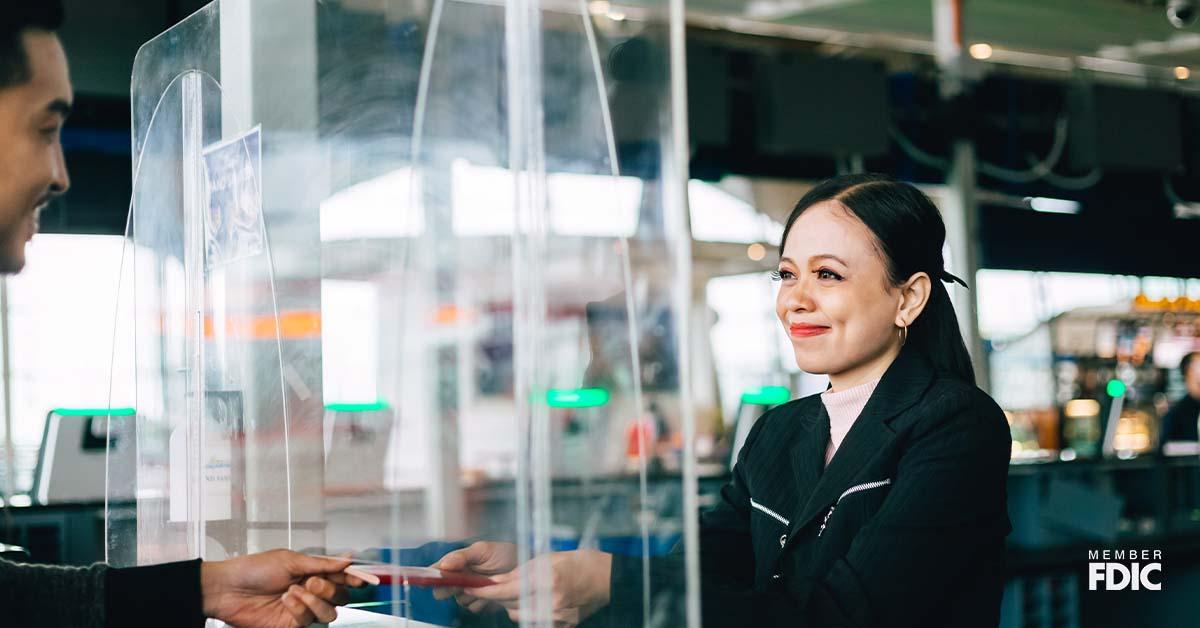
(905, 527)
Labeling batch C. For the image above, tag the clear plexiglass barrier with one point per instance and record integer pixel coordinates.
(400, 277)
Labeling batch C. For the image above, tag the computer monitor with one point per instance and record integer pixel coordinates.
(754, 403)
(71, 460)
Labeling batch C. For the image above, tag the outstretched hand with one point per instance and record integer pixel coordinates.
(576, 584)
(484, 558)
(275, 589)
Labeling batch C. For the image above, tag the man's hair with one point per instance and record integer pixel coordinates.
(16, 17)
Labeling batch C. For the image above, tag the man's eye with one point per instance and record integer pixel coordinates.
(825, 273)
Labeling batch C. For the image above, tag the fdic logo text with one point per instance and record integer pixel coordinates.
(1118, 570)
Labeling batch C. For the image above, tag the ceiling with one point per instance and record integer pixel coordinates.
(1122, 30)
(103, 37)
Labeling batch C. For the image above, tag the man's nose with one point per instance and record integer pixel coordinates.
(61, 180)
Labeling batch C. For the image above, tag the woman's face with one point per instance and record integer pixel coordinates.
(835, 300)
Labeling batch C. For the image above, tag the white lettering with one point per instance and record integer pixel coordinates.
(1113, 584)
(1146, 582)
(1095, 575)
(1120, 569)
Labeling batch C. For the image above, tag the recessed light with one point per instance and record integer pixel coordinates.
(980, 51)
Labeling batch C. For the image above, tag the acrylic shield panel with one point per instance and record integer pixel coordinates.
(403, 276)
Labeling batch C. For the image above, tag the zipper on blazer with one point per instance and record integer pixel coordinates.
(850, 491)
(767, 511)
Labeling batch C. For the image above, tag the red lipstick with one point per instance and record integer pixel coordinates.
(806, 331)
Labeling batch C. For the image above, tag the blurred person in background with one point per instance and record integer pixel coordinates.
(274, 589)
(1180, 422)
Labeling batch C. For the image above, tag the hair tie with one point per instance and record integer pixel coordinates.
(948, 278)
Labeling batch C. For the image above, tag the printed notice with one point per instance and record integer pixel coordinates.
(215, 460)
(233, 216)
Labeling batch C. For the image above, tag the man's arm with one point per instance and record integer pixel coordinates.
(154, 595)
(36, 595)
(276, 588)
(97, 596)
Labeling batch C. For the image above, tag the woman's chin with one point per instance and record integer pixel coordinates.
(811, 364)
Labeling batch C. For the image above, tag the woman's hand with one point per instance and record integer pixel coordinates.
(577, 586)
(276, 589)
(484, 558)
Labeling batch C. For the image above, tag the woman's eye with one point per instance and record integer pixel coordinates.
(825, 273)
(782, 275)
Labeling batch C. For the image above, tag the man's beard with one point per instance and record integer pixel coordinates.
(11, 237)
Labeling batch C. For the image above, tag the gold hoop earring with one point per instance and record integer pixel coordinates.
(903, 334)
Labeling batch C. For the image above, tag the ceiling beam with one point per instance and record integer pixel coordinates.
(782, 9)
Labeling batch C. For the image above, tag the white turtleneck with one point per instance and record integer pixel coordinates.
(843, 408)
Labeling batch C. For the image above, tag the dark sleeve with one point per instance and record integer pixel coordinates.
(726, 558)
(155, 595)
(52, 597)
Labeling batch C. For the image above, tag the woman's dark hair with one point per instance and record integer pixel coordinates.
(909, 235)
(17, 17)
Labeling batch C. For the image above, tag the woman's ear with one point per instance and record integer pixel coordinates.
(914, 294)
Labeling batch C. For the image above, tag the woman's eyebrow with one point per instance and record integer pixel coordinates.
(815, 258)
(829, 256)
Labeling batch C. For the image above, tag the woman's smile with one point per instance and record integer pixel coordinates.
(804, 330)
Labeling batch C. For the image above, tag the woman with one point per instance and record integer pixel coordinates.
(880, 502)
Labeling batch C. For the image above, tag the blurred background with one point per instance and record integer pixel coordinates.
(1060, 139)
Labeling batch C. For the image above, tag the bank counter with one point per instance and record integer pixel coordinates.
(1061, 512)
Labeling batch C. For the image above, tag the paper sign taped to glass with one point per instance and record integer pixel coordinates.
(233, 225)
(218, 464)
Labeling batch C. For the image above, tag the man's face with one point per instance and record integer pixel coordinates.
(32, 170)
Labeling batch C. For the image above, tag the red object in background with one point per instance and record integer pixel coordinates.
(633, 447)
(425, 576)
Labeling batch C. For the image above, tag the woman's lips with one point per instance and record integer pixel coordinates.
(806, 331)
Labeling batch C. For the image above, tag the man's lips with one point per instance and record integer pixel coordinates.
(34, 222)
(805, 331)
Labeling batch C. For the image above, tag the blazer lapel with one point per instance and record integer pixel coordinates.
(899, 388)
(808, 453)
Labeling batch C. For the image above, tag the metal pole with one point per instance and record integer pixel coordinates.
(675, 203)
(193, 228)
(960, 209)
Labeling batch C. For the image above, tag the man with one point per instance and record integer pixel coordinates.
(1179, 423)
(273, 589)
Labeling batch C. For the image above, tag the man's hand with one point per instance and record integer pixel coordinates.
(484, 558)
(275, 589)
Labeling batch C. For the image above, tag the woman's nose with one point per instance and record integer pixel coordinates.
(796, 296)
